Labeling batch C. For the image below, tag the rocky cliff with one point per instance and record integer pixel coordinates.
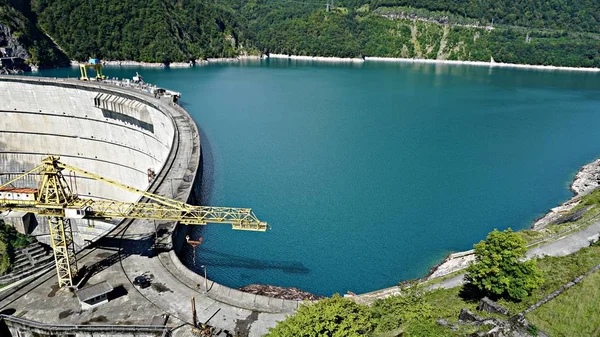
(8, 40)
(20, 33)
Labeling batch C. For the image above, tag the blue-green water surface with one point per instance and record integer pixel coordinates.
(370, 174)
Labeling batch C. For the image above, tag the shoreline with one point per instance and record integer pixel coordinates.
(189, 64)
(328, 59)
(585, 181)
(490, 64)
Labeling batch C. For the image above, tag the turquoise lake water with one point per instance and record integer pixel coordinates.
(370, 174)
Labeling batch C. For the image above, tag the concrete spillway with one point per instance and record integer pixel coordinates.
(115, 135)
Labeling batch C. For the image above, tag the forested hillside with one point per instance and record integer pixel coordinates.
(561, 34)
(141, 30)
(548, 32)
(576, 15)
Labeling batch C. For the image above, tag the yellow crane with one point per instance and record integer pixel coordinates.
(93, 63)
(54, 199)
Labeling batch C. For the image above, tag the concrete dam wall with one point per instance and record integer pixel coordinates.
(118, 133)
(111, 133)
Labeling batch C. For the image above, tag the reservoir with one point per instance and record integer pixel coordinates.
(369, 174)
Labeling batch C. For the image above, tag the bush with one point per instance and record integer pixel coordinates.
(10, 239)
(335, 317)
(392, 312)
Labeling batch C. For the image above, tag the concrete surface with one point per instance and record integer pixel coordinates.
(38, 120)
(126, 252)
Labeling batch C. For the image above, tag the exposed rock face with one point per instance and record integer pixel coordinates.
(7, 39)
(587, 179)
(516, 326)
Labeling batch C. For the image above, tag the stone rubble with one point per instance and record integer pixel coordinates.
(490, 306)
(516, 326)
(280, 292)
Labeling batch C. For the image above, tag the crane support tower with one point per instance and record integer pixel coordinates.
(54, 199)
(95, 64)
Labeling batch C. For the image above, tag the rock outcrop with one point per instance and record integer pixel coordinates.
(585, 181)
(490, 306)
(7, 39)
(516, 326)
(18, 53)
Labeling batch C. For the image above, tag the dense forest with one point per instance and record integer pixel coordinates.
(141, 30)
(533, 31)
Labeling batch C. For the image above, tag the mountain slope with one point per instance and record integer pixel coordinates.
(549, 32)
(140, 30)
(387, 30)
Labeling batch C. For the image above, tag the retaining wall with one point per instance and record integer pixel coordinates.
(19, 327)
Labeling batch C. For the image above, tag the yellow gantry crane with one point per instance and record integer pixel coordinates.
(93, 63)
(54, 199)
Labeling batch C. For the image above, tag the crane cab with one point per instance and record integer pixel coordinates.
(77, 213)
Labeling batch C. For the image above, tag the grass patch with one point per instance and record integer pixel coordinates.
(589, 199)
(573, 313)
(556, 272)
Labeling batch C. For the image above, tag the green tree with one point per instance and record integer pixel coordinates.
(10, 239)
(499, 270)
(333, 317)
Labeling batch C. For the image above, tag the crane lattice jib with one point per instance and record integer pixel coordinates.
(56, 200)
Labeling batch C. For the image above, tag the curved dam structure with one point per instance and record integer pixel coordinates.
(125, 134)
(115, 135)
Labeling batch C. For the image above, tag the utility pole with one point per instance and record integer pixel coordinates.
(205, 279)
(194, 320)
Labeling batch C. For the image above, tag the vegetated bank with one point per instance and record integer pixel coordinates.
(553, 33)
(10, 240)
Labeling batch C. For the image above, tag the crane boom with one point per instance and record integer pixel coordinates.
(55, 199)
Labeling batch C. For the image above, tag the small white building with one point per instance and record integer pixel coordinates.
(13, 193)
(94, 295)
